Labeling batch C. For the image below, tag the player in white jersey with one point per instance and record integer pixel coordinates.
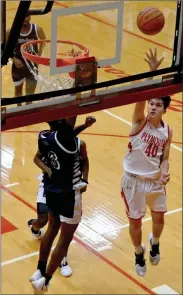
(146, 172)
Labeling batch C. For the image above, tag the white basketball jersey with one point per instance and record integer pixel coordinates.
(145, 150)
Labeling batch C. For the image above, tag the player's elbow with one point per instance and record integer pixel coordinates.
(86, 164)
(87, 161)
(35, 159)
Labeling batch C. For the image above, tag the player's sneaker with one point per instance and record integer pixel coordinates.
(36, 276)
(37, 234)
(65, 269)
(140, 263)
(39, 285)
(154, 254)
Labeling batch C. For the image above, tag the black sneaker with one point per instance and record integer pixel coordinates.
(140, 263)
(37, 234)
(154, 254)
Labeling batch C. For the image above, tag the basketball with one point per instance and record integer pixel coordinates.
(150, 21)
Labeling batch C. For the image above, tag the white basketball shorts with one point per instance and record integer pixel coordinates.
(138, 193)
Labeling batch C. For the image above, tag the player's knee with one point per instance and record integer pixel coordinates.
(67, 233)
(135, 224)
(157, 217)
(67, 238)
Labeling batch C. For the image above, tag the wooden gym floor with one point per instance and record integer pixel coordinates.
(101, 254)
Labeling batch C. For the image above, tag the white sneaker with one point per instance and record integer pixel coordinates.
(154, 254)
(37, 235)
(140, 263)
(65, 269)
(36, 276)
(39, 285)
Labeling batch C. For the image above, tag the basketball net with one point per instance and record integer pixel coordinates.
(45, 82)
(68, 53)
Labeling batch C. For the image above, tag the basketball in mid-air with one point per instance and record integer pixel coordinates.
(150, 21)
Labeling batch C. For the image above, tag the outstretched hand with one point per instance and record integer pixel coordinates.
(152, 60)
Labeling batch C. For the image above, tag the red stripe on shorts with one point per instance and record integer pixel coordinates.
(125, 201)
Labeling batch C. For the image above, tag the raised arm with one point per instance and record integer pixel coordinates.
(89, 121)
(154, 62)
(42, 36)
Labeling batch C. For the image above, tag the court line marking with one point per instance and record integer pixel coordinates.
(149, 218)
(11, 184)
(18, 198)
(114, 26)
(22, 257)
(78, 240)
(103, 258)
(164, 289)
(130, 124)
(86, 246)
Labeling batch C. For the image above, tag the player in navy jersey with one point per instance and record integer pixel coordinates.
(67, 178)
(20, 72)
(36, 225)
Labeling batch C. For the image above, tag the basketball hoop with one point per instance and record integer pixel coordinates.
(68, 53)
(68, 49)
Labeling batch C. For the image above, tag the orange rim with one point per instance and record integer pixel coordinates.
(60, 62)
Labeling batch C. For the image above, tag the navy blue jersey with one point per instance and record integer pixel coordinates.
(23, 38)
(64, 163)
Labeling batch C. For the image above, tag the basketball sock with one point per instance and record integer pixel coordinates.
(138, 250)
(155, 241)
(42, 267)
(48, 278)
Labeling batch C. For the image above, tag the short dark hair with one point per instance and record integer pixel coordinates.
(166, 101)
(56, 122)
(64, 129)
